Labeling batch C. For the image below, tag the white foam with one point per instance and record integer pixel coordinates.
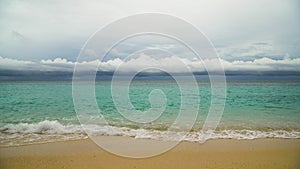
(43, 127)
(49, 131)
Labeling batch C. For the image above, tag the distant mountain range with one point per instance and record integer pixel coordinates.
(10, 75)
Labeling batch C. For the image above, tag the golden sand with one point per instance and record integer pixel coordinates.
(214, 154)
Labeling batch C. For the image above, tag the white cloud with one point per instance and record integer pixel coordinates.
(56, 61)
(250, 51)
(264, 64)
(62, 27)
(172, 64)
(7, 63)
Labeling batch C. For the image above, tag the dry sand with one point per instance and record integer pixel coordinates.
(214, 154)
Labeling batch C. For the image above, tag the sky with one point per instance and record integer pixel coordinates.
(248, 35)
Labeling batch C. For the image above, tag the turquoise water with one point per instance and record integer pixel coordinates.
(44, 111)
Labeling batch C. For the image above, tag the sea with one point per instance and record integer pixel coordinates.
(41, 111)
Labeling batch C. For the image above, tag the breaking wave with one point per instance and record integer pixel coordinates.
(52, 131)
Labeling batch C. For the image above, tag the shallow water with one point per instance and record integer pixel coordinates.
(43, 111)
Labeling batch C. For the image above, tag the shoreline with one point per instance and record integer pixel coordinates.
(218, 153)
(133, 138)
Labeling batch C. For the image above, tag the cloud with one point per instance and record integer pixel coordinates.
(13, 64)
(250, 51)
(60, 29)
(172, 64)
(263, 64)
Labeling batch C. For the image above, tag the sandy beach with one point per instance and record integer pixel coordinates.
(220, 153)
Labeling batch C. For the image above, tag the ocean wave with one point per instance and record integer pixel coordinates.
(43, 127)
(51, 131)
